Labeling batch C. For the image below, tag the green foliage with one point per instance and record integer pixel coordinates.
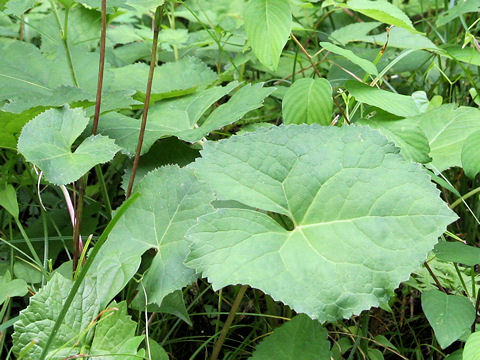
(308, 101)
(449, 315)
(268, 24)
(46, 141)
(300, 338)
(10, 288)
(472, 347)
(327, 221)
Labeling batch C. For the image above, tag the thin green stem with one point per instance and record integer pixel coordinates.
(64, 37)
(153, 62)
(103, 189)
(231, 315)
(29, 243)
(464, 197)
(83, 273)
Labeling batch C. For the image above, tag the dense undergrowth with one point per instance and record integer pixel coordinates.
(274, 179)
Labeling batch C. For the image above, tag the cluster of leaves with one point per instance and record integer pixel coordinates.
(312, 152)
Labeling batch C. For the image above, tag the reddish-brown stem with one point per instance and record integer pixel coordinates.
(101, 67)
(440, 287)
(153, 62)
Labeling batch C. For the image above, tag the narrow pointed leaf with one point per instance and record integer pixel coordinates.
(365, 64)
(363, 218)
(268, 24)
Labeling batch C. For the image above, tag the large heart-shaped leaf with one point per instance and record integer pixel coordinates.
(268, 24)
(171, 200)
(363, 218)
(46, 141)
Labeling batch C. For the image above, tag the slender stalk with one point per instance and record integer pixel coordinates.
(29, 243)
(434, 278)
(231, 315)
(82, 184)
(153, 62)
(465, 197)
(101, 67)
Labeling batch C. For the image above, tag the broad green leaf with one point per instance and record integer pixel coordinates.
(447, 129)
(366, 65)
(37, 320)
(405, 134)
(10, 288)
(472, 347)
(115, 334)
(353, 32)
(457, 252)
(471, 155)
(308, 101)
(46, 141)
(268, 24)
(460, 8)
(171, 200)
(8, 200)
(383, 11)
(180, 117)
(299, 338)
(342, 188)
(449, 315)
(400, 105)
(18, 7)
(169, 80)
(157, 352)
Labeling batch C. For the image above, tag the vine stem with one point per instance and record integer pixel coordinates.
(231, 315)
(435, 278)
(153, 62)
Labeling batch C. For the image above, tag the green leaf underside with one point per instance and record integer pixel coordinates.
(366, 65)
(179, 117)
(471, 155)
(308, 101)
(37, 320)
(383, 11)
(472, 347)
(447, 129)
(457, 252)
(364, 218)
(449, 315)
(171, 200)
(299, 338)
(46, 141)
(400, 105)
(268, 24)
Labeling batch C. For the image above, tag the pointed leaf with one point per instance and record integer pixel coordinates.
(353, 32)
(10, 288)
(8, 200)
(299, 338)
(400, 105)
(342, 188)
(457, 252)
(383, 11)
(449, 315)
(268, 24)
(365, 64)
(46, 141)
(308, 101)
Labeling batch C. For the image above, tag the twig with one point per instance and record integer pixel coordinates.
(434, 278)
(153, 61)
